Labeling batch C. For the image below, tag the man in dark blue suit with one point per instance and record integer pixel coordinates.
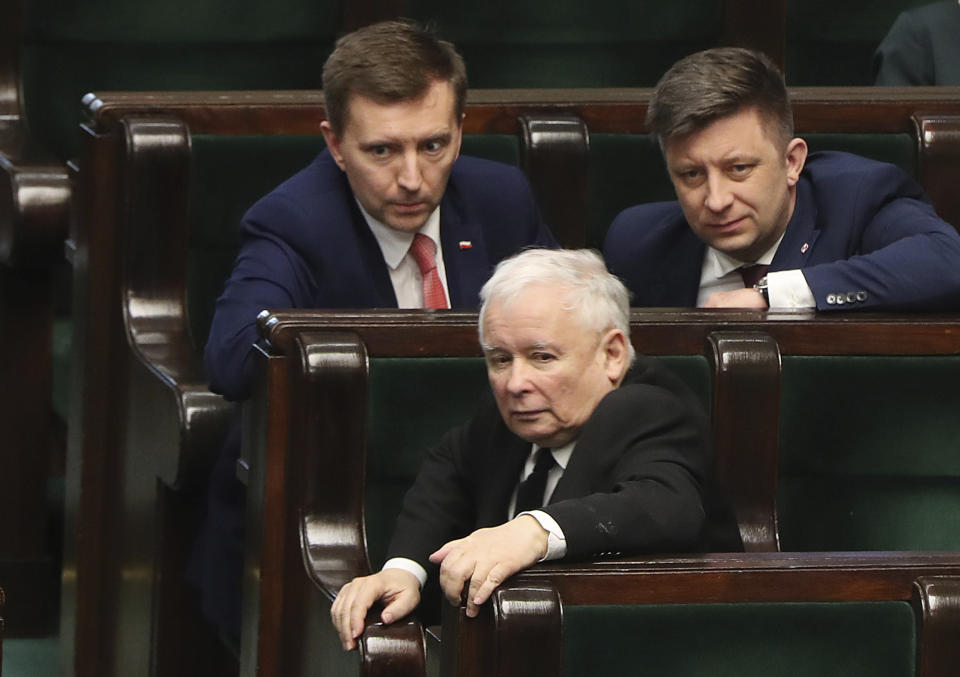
(760, 224)
(388, 216)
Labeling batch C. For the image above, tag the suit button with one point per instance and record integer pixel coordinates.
(841, 299)
(851, 297)
(861, 296)
(831, 299)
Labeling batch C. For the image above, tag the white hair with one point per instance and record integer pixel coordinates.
(595, 296)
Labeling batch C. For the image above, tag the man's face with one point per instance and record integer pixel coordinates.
(547, 372)
(736, 183)
(398, 156)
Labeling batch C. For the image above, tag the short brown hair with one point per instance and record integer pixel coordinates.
(388, 62)
(715, 83)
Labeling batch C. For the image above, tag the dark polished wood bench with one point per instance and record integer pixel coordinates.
(144, 427)
(548, 606)
(136, 341)
(319, 361)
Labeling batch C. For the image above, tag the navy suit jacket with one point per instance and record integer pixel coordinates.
(307, 245)
(639, 479)
(861, 229)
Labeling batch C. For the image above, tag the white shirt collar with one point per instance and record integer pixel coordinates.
(396, 243)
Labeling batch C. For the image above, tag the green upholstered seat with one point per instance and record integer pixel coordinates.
(567, 43)
(869, 453)
(831, 43)
(624, 170)
(848, 639)
(400, 430)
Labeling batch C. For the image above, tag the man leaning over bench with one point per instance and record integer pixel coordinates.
(583, 451)
(388, 216)
(835, 230)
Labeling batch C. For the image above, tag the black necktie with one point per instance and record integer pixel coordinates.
(531, 490)
(752, 274)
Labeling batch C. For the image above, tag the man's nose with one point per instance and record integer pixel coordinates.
(719, 195)
(518, 380)
(409, 176)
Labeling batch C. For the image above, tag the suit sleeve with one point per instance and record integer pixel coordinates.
(439, 507)
(268, 273)
(900, 253)
(655, 459)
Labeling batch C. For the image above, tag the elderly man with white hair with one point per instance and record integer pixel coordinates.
(583, 451)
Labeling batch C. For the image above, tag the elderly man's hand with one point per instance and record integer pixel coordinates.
(487, 557)
(738, 298)
(399, 590)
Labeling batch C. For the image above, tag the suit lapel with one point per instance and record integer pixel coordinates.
(678, 279)
(372, 276)
(798, 241)
(464, 255)
(502, 466)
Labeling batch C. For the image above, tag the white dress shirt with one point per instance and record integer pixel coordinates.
(556, 541)
(786, 288)
(404, 272)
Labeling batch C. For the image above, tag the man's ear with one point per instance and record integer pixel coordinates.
(333, 143)
(616, 354)
(796, 157)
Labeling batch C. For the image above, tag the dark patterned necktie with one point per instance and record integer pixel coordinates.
(531, 490)
(752, 274)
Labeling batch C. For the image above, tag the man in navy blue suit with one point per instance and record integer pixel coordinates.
(759, 223)
(350, 231)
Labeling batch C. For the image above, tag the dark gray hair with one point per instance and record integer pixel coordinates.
(715, 83)
(598, 299)
(388, 62)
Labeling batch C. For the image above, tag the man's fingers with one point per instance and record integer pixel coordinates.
(454, 573)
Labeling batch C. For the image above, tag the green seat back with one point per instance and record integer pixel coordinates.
(874, 639)
(623, 170)
(399, 433)
(71, 47)
(831, 43)
(869, 453)
(568, 43)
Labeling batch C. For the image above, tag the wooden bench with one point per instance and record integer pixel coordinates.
(757, 614)
(141, 410)
(286, 614)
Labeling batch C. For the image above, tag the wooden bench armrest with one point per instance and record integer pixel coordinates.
(35, 191)
(157, 170)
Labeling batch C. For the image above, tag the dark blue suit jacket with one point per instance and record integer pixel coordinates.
(860, 228)
(306, 245)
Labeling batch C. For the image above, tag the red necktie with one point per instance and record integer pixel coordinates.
(752, 274)
(424, 252)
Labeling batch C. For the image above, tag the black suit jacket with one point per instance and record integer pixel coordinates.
(639, 478)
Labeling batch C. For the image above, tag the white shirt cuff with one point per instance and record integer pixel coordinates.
(408, 565)
(789, 289)
(556, 541)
